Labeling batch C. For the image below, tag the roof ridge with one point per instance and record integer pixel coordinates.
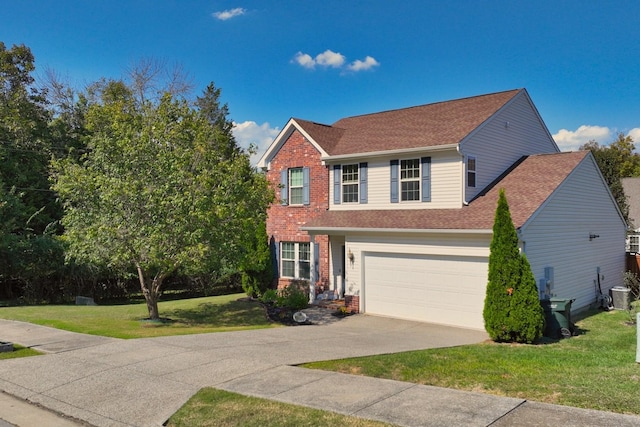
(311, 121)
(428, 104)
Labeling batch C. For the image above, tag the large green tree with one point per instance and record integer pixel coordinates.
(616, 161)
(155, 193)
(512, 311)
(28, 209)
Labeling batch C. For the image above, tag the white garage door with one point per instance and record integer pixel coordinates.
(447, 290)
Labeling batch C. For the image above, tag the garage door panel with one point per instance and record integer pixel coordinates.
(448, 290)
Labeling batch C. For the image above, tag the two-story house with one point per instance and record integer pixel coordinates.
(394, 210)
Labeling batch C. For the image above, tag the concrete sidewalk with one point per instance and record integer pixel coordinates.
(111, 382)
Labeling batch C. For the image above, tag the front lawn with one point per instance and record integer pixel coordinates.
(18, 351)
(596, 369)
(188, 316)
(211, 407)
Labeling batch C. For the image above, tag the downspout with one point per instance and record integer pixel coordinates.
(313, 278)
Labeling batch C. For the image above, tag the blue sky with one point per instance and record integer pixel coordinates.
(324, 60)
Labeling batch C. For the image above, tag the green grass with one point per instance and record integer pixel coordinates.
(211, 407)
(18, 351)
(594, 370)
(188, 316)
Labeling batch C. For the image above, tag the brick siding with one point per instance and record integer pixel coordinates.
(284, 222)
(352, 302)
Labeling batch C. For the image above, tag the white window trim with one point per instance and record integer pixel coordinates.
(344, 183)
(473, 171)
(301, 187)
(418, 180)
(296, 261)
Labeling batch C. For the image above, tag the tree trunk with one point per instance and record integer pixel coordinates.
(151, 292)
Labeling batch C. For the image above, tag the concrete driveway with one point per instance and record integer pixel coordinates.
(142, 382)
(112, 382)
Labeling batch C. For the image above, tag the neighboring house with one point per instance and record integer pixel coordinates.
(631, 187)
(400, 206)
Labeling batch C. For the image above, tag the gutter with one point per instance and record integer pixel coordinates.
(328, 230)
(387, 153)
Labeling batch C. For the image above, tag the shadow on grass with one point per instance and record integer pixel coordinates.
(233, 313)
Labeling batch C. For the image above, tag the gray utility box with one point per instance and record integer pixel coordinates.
(620, 296)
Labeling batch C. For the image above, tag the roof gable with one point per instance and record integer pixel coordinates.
(309, 130)
(431, 125)
(528, 185)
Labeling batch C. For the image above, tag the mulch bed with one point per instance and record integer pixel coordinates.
(282, 315)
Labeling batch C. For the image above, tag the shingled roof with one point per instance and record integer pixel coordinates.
(430, 125)
(528, 184)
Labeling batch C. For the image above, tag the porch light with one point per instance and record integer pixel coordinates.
(350, 256)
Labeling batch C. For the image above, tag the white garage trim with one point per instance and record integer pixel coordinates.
(428, 288)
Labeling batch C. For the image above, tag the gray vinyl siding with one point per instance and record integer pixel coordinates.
(496, 145)
(445, 181)
(558, 236)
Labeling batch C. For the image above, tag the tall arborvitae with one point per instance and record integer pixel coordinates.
(512, 311)
(526, 314)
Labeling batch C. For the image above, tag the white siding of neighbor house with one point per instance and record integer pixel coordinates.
(442, 245)
(446, 183)
(558, 236)
(496, 145)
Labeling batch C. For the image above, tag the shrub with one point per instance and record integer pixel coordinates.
(270, 296)
(295, 296)
(256, 268)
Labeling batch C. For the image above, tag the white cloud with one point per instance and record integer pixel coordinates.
(249, 132)
(568, 140)
(305, 60)
(228, 14)
(368, 63)
(328, 58)
(332, 59)
(635, 134)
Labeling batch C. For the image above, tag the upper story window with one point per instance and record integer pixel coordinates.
(294, 186)
(411, 180)
(350, 183)
(471, 171)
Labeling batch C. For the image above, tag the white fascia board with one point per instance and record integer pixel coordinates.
(339, 230)
(278, 142)
(388, 153)
(544, 125)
